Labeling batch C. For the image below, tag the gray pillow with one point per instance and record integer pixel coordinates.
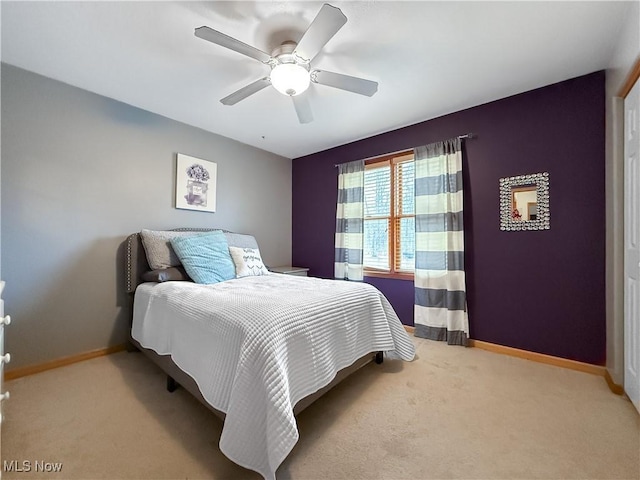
(173, 274)
(157, 245)
(241, 240)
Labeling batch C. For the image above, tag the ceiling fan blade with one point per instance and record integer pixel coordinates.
(244, 92)
(326, 24)
(345, 82)
(231, 43)
(303, 108)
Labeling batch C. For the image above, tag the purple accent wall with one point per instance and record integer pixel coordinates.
(542, 291)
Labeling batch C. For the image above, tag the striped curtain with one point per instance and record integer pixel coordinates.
(350, 221)
(440, 293)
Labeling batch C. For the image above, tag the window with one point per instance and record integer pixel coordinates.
(389, 218)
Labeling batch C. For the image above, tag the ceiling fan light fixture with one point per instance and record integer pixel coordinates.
(290, 78)
(290, 63)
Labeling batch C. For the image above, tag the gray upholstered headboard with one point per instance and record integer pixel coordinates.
(136, 257)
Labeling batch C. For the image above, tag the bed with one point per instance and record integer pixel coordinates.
(255, 350)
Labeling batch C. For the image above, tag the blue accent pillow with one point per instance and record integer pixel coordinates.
(205, 257)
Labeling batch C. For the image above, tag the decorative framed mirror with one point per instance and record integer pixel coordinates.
(524, 202)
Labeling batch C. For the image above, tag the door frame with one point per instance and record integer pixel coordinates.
(619, 248)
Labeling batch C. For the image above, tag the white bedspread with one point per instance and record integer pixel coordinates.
(257, 345)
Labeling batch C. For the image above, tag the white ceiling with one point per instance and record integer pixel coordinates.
(429, 58)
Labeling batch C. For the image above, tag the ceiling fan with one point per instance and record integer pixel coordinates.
(290, 63)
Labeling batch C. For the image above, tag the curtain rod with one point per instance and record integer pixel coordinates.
(461, 137)
(467, 135)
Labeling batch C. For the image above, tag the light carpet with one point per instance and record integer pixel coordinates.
(453, 413)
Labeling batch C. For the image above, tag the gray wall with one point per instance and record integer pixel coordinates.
(79, 173)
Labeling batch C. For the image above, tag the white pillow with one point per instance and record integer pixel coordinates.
(248, 262)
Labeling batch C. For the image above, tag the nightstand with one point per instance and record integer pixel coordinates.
(288, 270)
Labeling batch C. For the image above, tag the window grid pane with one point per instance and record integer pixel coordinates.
(377, 191)
(376, 244)
(405, 252)
(405, 198)
(389, 206)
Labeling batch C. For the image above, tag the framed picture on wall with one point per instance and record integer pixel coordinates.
(195, 183)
